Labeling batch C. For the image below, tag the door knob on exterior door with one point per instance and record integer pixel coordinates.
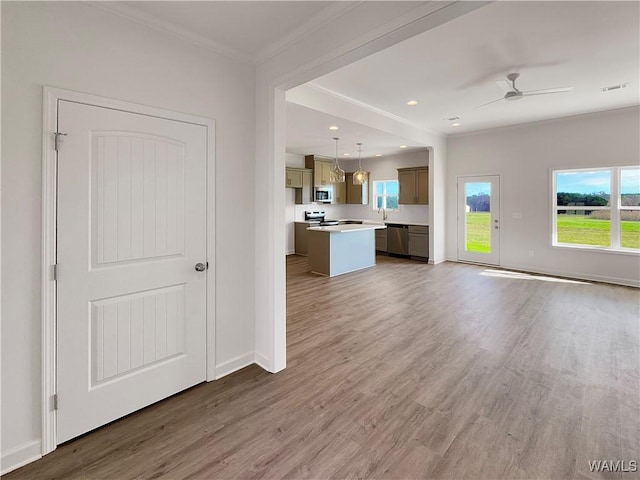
(200, 267)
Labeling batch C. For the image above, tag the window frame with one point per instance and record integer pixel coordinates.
(374, 194)
(614, 208)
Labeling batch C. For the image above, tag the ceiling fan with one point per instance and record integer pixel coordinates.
(512, 92)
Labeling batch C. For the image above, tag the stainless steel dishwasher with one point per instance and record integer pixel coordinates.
(397, 239)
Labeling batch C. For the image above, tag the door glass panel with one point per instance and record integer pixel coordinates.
(478, 217)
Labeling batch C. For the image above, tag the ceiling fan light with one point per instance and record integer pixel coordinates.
(513, 96)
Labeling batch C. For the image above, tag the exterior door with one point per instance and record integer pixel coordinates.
(131, 227)
(479, 219)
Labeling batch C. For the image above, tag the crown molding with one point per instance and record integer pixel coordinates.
(131, 13)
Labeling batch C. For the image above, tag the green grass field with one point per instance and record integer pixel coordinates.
(575, 229)
(583, 230)
(479, 232)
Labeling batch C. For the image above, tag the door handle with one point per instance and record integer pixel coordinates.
(200, 267)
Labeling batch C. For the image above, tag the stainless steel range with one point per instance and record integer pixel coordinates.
(314, 216)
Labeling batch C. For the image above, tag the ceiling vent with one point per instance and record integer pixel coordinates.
(614, 87)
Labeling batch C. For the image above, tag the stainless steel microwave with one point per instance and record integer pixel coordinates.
(324, 195)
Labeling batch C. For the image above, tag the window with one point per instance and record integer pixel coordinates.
(386, 194)
(597, 207)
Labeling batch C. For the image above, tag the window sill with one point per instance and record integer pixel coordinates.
(589, 248)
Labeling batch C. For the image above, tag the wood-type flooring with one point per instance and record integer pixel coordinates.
(402, 371)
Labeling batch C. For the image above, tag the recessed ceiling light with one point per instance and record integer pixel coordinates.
(455, 124)
(346, 154)
(403, 146)
(412, 103)
(333, 127)
(378, 154)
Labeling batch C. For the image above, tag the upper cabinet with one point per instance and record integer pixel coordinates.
(357, 194)
(301, 180)
(293, 177)
(339, 192)
(321, 169)
(304, 195)
(414, 185)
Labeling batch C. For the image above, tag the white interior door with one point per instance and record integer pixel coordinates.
(479, 219)
(131, 228)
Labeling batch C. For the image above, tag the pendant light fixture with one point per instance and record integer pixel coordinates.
(336, 175)
(359, 176)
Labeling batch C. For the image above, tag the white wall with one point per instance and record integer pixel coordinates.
(76, 46)
(523, 156)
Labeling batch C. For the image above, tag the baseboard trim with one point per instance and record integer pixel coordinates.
(20, 456)
(262, 361)
(233, 365)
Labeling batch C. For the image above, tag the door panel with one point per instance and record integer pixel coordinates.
(479, 219)
(131, 227)
(138, 187)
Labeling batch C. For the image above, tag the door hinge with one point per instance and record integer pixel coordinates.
(57, 135)
(54, 272)
(54, 402)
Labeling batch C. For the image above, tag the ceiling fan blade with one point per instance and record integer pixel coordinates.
(504, 85)
(489, 103)
(548, 90)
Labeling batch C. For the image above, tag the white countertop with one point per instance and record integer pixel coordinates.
(351, 227)
(378, 222)
(368, 222)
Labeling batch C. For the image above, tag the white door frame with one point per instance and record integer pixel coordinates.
(459, 229)
(51, 96)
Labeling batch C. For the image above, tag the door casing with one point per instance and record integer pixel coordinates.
(460, 179)
(51, 98)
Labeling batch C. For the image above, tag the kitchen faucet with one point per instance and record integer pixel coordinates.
(384, 214)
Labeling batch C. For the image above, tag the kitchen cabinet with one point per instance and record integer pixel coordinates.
(321, 169)
(418, 241)
(414, 186)
(340, 192)
(304, 195)
(357, 194)
(381, 240)
(301, 180)
(293, 177)
(301, 237)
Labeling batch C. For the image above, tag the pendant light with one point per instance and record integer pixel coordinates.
(359, 176)
(336, 175)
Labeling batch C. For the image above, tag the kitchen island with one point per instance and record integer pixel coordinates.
(337, 249)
